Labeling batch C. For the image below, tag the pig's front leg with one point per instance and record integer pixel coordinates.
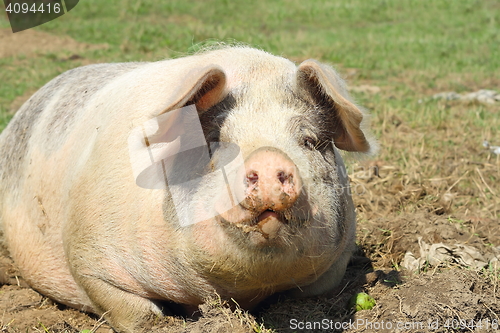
(326, 282)
(124, 311)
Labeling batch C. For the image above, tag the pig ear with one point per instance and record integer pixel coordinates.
(327, 90)
(203, 87)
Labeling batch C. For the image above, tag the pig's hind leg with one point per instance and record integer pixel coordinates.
(125, 311)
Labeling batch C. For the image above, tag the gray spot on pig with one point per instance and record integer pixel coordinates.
(72, 90)
(19, 132)
(79, 86)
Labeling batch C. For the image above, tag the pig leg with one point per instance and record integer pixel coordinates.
(326, 282)
(125, 311)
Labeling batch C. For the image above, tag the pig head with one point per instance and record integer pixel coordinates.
(89, 229)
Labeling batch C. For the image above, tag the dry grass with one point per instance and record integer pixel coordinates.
(440, 166)
(432, 170)
(217, 315)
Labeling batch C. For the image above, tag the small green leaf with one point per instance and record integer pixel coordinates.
(362, 301)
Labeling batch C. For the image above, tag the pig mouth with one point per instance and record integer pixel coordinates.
(262, 228)
(266, 214)
(263, 225)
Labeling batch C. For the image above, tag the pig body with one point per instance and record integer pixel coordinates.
(82, 231)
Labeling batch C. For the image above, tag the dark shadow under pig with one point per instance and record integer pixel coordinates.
(104, 211)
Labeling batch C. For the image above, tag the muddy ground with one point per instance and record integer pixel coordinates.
(396, 208)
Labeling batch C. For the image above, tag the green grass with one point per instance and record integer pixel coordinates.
(381, 38)
(376, 35)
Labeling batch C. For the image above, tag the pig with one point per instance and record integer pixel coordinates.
(86, 229)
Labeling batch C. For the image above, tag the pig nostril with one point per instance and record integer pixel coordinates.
(252, 178)
(283, 177)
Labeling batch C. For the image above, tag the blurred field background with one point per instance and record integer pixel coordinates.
(394, 54)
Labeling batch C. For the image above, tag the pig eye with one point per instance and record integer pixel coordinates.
(310, 142)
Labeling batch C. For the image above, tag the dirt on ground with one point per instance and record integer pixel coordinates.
(403, 218)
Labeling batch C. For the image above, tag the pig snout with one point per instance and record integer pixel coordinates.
(271, 187)
(272, 181)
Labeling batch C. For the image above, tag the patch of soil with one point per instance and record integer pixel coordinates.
(25, 310)
(449, 301)
(30, 42)
(386, 239)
